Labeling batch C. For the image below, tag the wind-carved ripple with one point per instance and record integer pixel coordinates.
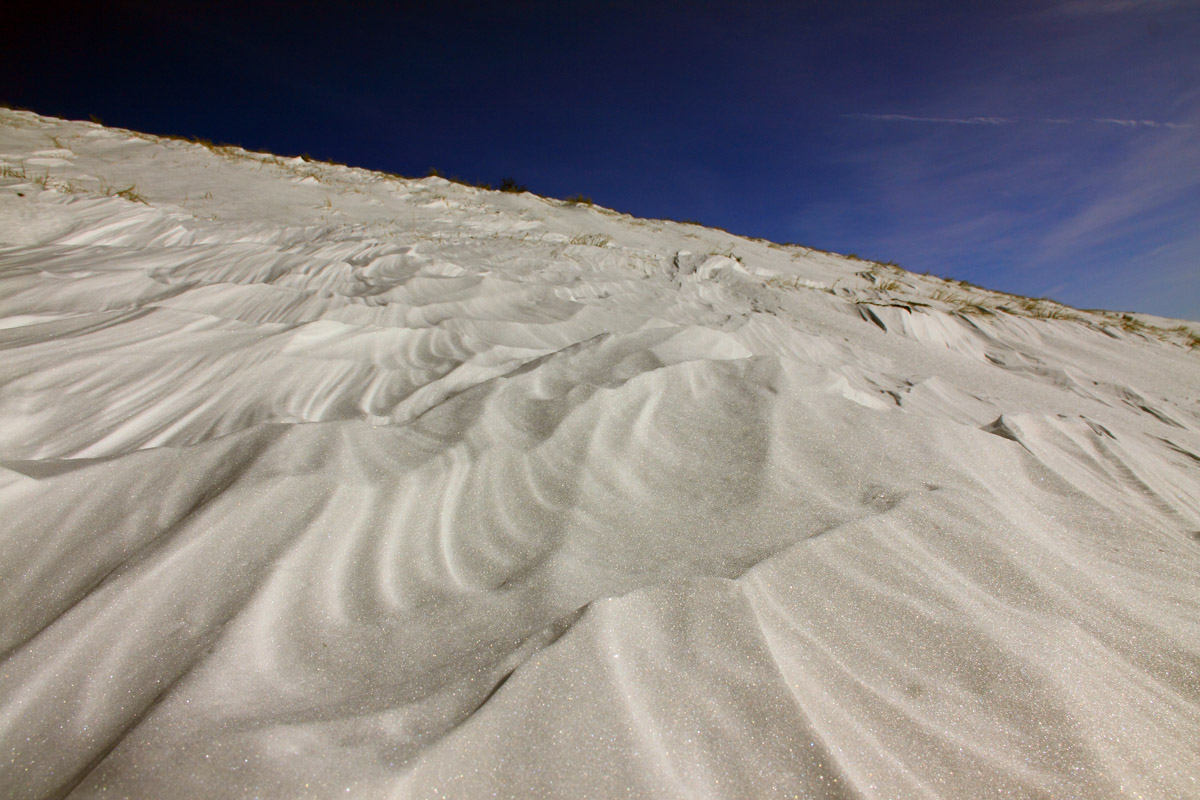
(473, 519)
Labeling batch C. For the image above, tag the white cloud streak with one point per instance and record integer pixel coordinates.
(1087, 8)
(1124, 123)
(947, 120)
(1141, 123)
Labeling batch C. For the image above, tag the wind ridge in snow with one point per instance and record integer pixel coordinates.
(320, 482)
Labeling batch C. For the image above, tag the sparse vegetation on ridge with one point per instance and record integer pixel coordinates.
(129, 193)
(885, 277)
(965, 297)
(591, 239)
(49, 183)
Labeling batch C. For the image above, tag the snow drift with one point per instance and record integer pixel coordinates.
(321, 482)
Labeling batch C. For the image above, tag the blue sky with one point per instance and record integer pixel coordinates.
(1048, 148)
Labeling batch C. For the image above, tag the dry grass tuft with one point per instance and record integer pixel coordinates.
(591, 239)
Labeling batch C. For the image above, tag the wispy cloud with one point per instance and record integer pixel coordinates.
(1138, 191)
(1096, 211)
(1125, 123)
(1066, 161)
(1141, 123)
(947, 120)
(1082, 8)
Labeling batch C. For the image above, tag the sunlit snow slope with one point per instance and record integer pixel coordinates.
(319, 482)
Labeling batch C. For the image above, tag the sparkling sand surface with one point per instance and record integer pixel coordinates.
(320, 482)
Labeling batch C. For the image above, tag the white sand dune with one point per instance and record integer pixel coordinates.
(319, 482)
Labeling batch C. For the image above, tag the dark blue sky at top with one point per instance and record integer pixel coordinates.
(1045, 147)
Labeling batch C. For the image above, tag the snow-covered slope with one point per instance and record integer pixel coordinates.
(319, 482)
